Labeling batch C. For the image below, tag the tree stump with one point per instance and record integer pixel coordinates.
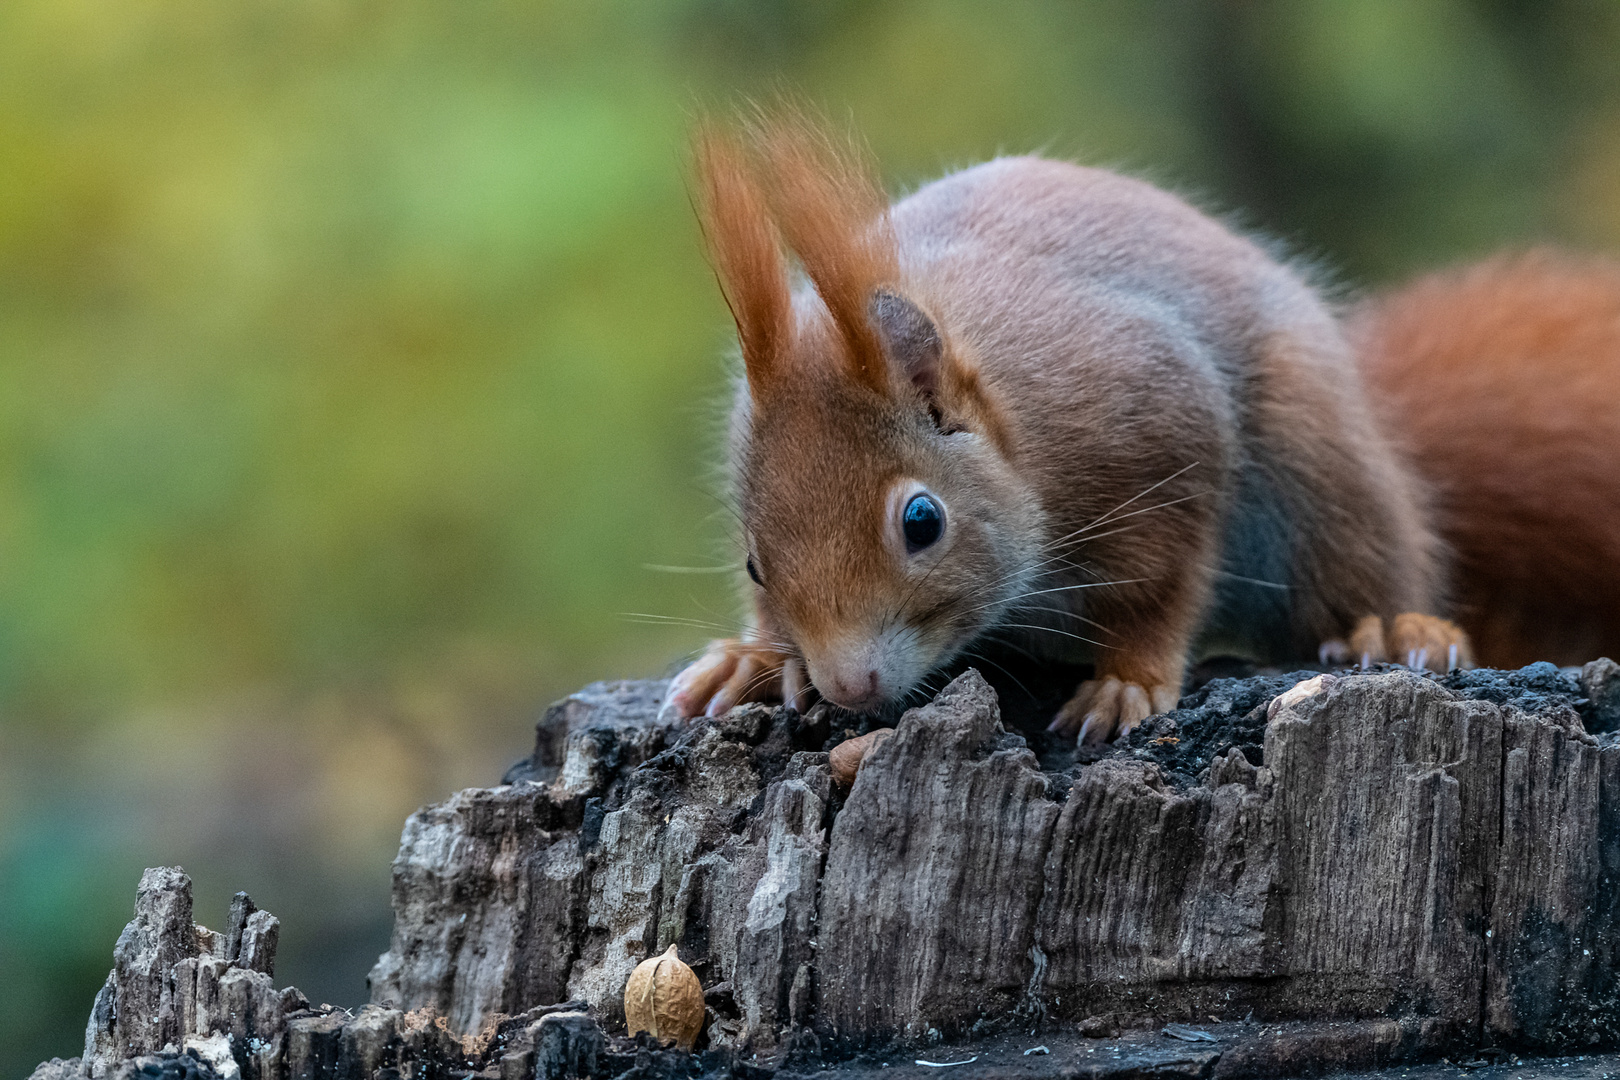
(1439, 852)
(1387, 865)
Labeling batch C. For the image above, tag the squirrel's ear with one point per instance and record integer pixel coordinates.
(835, 218)
(747, 255)
(911, 341)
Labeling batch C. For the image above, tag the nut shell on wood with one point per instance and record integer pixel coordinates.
(846, 759)
(664, 999)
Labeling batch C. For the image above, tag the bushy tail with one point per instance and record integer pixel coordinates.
(1501, 382)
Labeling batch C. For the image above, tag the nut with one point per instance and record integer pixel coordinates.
(664, 999)
(846, 759)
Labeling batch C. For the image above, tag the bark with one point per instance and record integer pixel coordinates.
(1403, 849)
(1397, 866)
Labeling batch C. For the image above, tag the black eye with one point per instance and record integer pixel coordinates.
(922, 522)
(753, 572)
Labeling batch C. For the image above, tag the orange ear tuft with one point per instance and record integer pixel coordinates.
(835, 218)
(746, 253)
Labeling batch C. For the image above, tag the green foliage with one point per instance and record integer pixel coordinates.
(358, 357)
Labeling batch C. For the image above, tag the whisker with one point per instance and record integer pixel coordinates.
(1062, 556)
(895, 614)
(1062, 545)
(1007, 643)
(1061, 588)
(1069, 541)
(701, 606)
(1054, 630)
(641, 616)
(1064, 612)
(986, 660)
(780, 648)
(1070, 545)
(1254, 581)
(743, 631)
(783, 647)
(722, 502)
(756, 682)
(1079, 534)
(658, 568)
(1138, 495)
(924, 691)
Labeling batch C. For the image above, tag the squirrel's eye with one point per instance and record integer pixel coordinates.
(923, 521)
(753, 572)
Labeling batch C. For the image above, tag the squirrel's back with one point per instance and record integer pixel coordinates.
(1502, 384)
(1016, 245)
(1133, 338)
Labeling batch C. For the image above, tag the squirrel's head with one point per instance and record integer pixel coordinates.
(885, 528)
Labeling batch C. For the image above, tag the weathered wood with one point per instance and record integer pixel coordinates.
(1353, 875)
(1395, 865)
(175, 985)
(1552, 951)
(934, 876)
(489, 892)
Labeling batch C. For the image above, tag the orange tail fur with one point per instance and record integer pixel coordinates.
(1502, 383)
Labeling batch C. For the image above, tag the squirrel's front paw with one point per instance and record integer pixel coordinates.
(1418, 641)
(731, 672)
(1106, 709)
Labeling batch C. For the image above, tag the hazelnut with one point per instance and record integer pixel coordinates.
(664, 999)
(846, 759)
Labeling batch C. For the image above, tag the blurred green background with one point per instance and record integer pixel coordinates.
(358, 360)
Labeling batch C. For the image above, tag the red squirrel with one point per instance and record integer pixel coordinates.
(1044, 405)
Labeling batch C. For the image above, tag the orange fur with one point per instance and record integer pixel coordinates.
(1502, 383)
(743, 244)
(790, 178)
(835, 218)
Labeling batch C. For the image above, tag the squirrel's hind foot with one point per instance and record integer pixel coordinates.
(1418, 641)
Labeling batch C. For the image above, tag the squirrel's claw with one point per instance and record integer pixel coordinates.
(691, 691)
(1334, 653)
(1419, 640)
(795, 685)
(1106, 709)
(1425, 639)
(729, 673)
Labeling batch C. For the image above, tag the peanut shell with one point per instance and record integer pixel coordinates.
(664, 999)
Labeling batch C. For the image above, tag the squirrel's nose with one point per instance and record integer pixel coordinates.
(852, 689)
